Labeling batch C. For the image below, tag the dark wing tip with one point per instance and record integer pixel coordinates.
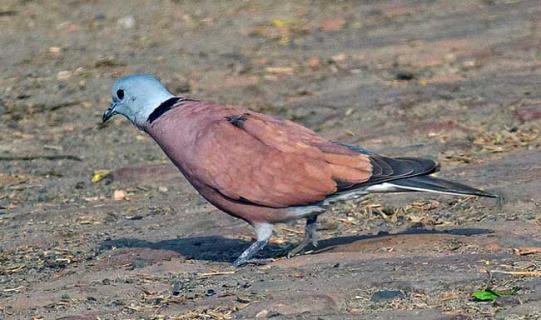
(388, 169)
(434, 184)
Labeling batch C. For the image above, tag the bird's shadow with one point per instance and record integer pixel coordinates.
(220, 249)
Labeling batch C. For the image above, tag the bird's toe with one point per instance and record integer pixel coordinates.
(258, 262)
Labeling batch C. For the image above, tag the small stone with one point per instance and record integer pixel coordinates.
(55, 50)
(404, 75)
(341, 57)
(313, 62)
(262, 314)
(387, 295)
(177, 288)
(63, 75)
(119, 195)
(79, 70)
(126, 22)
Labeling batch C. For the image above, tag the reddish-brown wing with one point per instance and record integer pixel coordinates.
(277, 163)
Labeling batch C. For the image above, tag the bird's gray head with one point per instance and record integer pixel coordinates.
(136, 97)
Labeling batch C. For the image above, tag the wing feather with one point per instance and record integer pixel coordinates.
(277, 163)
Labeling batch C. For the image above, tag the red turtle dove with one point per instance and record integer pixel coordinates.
(262, 169)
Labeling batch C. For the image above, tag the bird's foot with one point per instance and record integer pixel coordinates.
(257, 262)
(305, 242)
(310, 236)
(246, 256)
(293, 252)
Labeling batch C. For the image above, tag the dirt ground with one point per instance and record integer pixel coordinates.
(455, 80)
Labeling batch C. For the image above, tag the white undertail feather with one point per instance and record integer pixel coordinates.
(389, 187)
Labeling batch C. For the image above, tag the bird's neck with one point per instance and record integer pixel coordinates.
(163, 108)
(148, 105)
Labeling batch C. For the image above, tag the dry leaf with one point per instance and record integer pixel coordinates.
(99, 175)
(282, 23)
(333, 25)
(523, 251)
(279, 70)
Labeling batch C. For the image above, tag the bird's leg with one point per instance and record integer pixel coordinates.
(263, 232)
(310, 236)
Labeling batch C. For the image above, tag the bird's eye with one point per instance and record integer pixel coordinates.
(120, 94)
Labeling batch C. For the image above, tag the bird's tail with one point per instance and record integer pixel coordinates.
(436, 185)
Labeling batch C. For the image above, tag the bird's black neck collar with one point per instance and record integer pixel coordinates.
(164, 107)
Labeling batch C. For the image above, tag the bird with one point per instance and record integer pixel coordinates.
(263, 169)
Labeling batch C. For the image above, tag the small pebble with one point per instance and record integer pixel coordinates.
(387, 295)
(262, 314)
(177, 287)
(119, 195)
(126, 22)
(63, 75)
(55, 50)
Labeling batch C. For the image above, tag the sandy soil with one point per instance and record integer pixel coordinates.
(456, 80)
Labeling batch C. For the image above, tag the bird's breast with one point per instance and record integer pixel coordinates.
(181, 133)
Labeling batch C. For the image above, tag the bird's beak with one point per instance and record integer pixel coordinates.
(109, 112)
